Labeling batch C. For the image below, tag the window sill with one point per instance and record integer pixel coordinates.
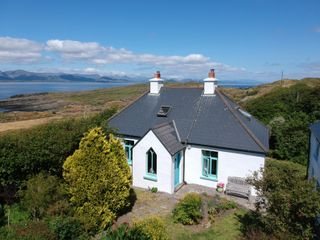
(209, 178)
(151, 178)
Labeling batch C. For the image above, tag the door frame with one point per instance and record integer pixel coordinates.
(177, 158)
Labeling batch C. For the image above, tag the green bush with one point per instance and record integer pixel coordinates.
(99, 179)
(152, 228)
(41, 191)
(188, 210)
(288, 112)
(67, 228)
(226, 204)
(15, 214)
(32, 230)
(287, 202)
(154, 190)
(124, 232)
(26, 153)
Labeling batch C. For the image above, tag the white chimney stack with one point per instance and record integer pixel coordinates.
(210, 83)
(156, 83)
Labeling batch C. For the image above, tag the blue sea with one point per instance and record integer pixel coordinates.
(8, 89)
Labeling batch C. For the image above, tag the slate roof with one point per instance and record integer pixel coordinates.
(169, 137)
(315, 129)
(213, 121)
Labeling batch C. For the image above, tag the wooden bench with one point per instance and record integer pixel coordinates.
(239, 187)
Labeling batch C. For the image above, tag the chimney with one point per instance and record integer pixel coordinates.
(156, 83)
(210, 83)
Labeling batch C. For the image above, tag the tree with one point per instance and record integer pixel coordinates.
(98, 178)
(41, 191)
(291, 203)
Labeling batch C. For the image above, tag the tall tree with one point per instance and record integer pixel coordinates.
(99, 179)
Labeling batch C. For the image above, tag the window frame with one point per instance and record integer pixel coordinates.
(150, 175)
(207, 159)
(130, 151)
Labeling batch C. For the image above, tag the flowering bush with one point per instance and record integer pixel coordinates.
(220, 185)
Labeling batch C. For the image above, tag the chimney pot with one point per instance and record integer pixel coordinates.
(212, 74)
(157, 75)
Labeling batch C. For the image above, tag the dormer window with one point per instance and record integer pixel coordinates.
(164, 110)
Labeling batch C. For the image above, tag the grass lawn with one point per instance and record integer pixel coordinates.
(226, 227)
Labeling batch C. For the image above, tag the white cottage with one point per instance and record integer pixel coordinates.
(176, 136)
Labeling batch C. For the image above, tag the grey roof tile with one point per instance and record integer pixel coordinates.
(169, 137)
(201, 120)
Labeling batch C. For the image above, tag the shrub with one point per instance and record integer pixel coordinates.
(188, 210)
(125, 233)
(32, 230)
(99, 179)
(15, 214)
(41, 191)
(292, 203)
(154, 190)
(225, 204)
(26, 153)
(67, 228)
(152, 228)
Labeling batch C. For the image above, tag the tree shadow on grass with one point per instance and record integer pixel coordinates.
(252, 227)
(132, 199)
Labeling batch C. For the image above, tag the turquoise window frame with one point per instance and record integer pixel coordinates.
(149, 175)
(128, 145)
(207, 160)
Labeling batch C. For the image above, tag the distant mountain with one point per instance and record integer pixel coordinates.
(21, 75)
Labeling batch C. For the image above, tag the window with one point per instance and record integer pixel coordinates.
(128, 144)
(210, 165)
(151, 164)
(164, 110)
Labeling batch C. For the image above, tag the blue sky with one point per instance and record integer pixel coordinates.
(244, 39)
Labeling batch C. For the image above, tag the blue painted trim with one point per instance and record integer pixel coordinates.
(209, 178)
(128, 144)
(210, 159)
(150, 177)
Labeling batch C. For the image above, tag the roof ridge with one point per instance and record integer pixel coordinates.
(251, 134)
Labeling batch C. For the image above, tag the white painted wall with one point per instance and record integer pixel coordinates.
(314, 162)
(165, 169)
(230, 163)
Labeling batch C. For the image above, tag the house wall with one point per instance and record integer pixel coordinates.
(314, 161)
(165, 169)
(230, 163)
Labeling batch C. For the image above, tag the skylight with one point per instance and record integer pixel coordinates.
(164, 110)
(244, 113)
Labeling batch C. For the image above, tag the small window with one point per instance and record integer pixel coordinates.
(128, 144)
(164, 110)
(210, 164)
(151, 162)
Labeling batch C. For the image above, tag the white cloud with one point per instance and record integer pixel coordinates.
(19, 50)
(74, 50)
(95, 57)
(94, 53)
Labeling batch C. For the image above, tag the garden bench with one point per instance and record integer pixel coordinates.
(239, 187)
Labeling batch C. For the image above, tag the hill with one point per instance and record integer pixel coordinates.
(287, 107)
(21, 75)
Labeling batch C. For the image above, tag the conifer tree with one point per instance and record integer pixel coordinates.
(98, 178)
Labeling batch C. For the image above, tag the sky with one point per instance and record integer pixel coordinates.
(242, 40)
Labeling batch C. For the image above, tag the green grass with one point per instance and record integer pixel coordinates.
(227, 227)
